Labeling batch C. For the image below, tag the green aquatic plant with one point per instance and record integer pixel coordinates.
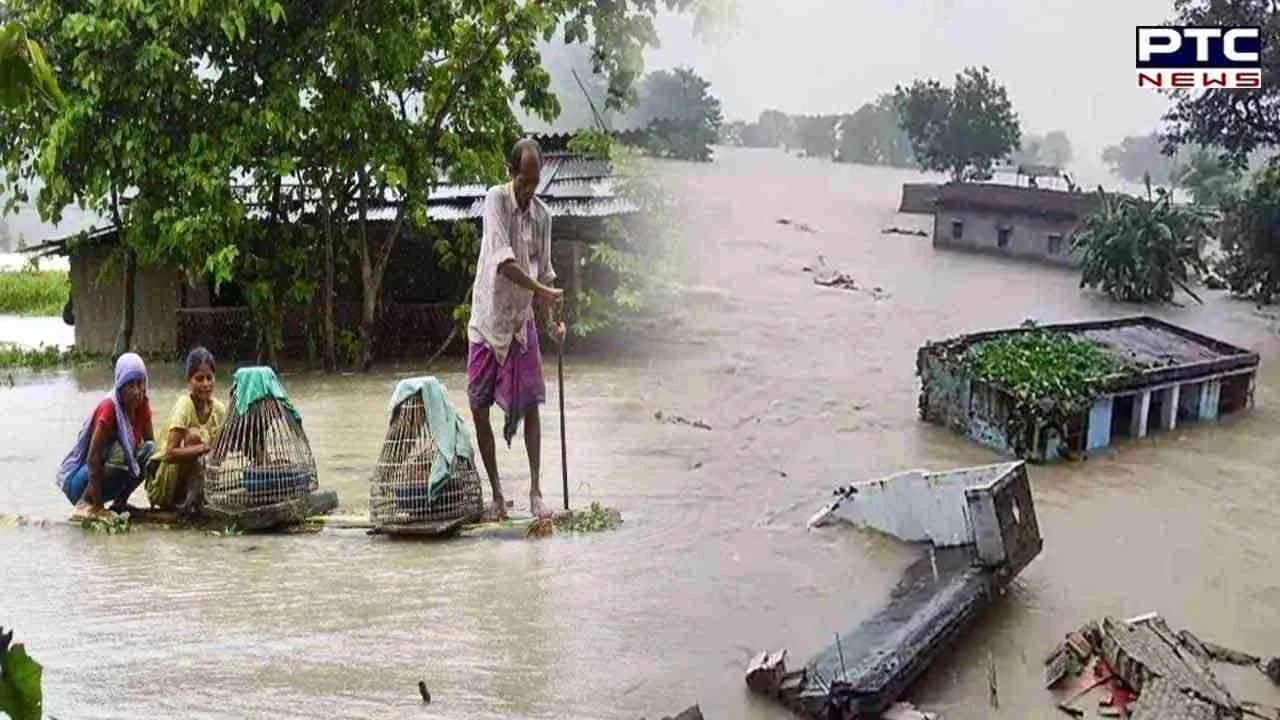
(1051, 378)
(42, 357)
(230, 530)
(595, 518)
(113, 524)
(20, 694)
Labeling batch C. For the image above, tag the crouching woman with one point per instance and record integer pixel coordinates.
(197, 420)
(113, 447)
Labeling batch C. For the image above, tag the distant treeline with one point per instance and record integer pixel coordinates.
(872, 135)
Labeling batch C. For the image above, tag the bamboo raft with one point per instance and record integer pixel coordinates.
(321, 519)
(292, 516)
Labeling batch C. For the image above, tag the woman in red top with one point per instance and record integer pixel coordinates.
(114, 445)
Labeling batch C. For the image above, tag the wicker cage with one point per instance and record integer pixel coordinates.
(261, 458)
(399, 492)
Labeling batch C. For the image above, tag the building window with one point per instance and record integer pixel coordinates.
(957, 229)
(1055, 244)
(1003, 234)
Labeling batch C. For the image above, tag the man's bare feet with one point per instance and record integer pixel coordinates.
(88, 511)
(497, 511)
(536, 507)
(124, 507)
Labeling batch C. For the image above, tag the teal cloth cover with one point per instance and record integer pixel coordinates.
(251, 384)
(447, 427)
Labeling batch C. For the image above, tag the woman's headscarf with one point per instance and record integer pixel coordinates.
(129, 367)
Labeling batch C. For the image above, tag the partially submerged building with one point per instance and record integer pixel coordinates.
(1023, 222)
(976, 529)
(177, 308)
(1185, 377)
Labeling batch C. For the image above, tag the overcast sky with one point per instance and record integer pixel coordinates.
(1068, 64)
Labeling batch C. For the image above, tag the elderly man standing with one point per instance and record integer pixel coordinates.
(512, 287)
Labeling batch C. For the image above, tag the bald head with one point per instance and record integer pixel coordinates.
(525, 166)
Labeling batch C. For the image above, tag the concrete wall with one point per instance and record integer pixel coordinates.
(98, 301)
(1028, 235)
(918, 506)
(1003, 516)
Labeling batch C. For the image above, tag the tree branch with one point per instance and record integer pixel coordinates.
(433, 137)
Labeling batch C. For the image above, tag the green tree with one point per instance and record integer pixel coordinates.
(1203, 173)
(634, 260)
(772, 129)
(815, 135)
(873, 135)
(682, 116)
(1139, 156)
(25, 74)
(134, 141)
(1052, 149)
(1141, 249)
(962, 130)
(1251, 238)
(325, 112)
(1234, 123)
(400, 93)
(1056, 150)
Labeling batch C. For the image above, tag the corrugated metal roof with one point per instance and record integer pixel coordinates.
(572, 186)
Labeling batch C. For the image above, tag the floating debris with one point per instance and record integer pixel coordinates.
(802, 227)
(1149, 672)
(827, 276)
(903, 231)
(677, 420)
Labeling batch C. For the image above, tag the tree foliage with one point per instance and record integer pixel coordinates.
(1251, 238)
(1202, 173)
(1142, 249)
(1140, 156)
(962, 130)
(873, 135)
(1051, 377)
(815, 135)
(1234, 122)
(1052, 149)
(25, 74)
(772, 129)
(681, 115)
(634, 261)
(20, 693)
(238, 123)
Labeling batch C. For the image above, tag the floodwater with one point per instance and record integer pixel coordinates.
(805, 388)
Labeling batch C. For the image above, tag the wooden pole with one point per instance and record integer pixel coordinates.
(564, 452)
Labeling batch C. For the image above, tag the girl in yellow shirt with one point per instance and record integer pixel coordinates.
(196, 422)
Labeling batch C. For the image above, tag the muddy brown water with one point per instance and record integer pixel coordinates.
(805, 388)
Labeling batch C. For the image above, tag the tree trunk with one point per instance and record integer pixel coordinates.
(370, 283)
(124, 337)
(329, 341)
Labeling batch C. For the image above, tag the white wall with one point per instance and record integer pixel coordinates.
(918, 506)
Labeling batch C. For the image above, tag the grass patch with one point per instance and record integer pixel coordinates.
(34, 292)
(41, 357)
(594, 519)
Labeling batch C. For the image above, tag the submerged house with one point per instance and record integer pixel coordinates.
(1025, 222)
(176, 309)
(1180, 377)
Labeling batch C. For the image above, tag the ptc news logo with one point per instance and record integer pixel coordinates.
(1199, 57)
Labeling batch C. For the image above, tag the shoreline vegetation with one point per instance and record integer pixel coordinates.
(43, 357)
(34, 293)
